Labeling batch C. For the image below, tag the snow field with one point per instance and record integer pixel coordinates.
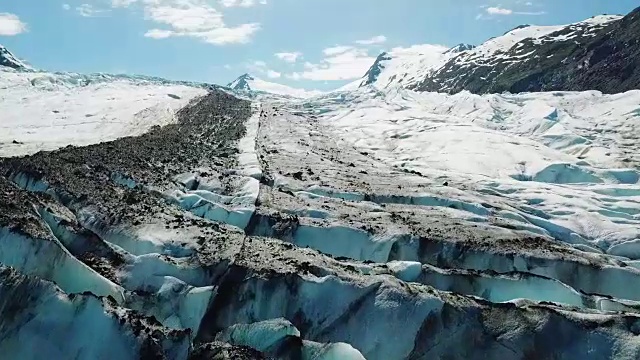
(42, 111)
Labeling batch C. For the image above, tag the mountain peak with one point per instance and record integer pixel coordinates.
(242, 82)
(9, 60)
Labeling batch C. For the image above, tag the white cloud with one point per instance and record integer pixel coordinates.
(503, 11)
(66, 6)
(290, 57)
(11, 25)
(340, 63)
(262, 68)
(380, 39)
(87, 10)
(336, 50)
(158, 34)
(271, 74)
(200, 19)
(499, 11)
(425, 51)
(352, 62)
(241, 3)
(122, 3)
(294, 76)
(533, 13)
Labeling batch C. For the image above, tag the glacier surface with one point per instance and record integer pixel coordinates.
(375, 222)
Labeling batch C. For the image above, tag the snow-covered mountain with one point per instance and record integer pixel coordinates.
(406, 67)
(247, 83)
(601, 53)
(7, 59)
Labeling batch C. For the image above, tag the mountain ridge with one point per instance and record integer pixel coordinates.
(601, 53)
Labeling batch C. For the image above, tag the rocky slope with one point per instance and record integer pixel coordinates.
(602, 53)
(7, 59)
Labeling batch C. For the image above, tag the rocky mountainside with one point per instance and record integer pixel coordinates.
(602, 53)
(7, 59)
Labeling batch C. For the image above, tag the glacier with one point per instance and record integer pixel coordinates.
(326, 222)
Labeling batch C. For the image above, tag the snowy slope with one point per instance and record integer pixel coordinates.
(572, 157)
(495, 49)
(406, 66)
(7, 59)
(43, 111)
(247, 83)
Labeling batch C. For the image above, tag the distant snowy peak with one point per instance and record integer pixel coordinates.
(247, 83)
(7, 59)
(242, 83)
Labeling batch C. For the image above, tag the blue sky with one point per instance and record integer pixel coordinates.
(293, 42)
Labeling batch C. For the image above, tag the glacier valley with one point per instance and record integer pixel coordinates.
(147, 219)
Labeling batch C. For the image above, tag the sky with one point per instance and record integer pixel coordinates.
(311, 44)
